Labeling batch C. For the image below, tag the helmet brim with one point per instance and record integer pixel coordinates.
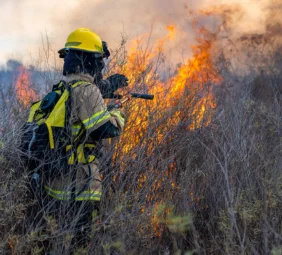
(62, 52)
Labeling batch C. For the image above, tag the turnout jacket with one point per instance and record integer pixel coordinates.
(89, 111)
(91, 120)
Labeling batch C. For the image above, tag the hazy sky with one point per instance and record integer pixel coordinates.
(24, 22)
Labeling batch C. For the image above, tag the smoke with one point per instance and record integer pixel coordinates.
(23, 23)
(27, 20)
(250, 42)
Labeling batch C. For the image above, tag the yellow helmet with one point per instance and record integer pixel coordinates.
(83, 39)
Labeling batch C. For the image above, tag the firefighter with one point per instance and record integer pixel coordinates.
(75, 195)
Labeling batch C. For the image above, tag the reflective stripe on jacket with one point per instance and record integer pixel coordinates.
(66, 195)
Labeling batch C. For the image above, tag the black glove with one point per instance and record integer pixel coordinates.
(117, 81)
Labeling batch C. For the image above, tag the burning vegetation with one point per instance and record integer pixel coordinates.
(185, 99)
(24, 90)
(199, 168)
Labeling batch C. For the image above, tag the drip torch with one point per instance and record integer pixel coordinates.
(120, 103)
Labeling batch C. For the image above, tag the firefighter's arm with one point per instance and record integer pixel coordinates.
(108, 129)
(97, 120)
(105, 88)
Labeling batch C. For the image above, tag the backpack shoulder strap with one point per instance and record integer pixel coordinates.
(75, 83)
(63, 84)
(59, 85)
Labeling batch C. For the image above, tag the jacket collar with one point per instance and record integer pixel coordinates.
(81, 77)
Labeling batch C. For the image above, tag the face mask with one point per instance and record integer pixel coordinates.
(81, 62)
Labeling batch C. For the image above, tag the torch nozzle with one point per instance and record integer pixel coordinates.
(143, 96)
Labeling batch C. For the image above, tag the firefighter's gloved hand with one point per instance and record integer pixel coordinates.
(118, 81)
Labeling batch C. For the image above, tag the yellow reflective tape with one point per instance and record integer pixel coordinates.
(96, 119)
(92, 197)
(107, 117)
(75, 129)
(80, 83)
(94, 116)
(51, 137)
(66, 195)
(59, 192)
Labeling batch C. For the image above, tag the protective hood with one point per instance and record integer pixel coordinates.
(79, 62)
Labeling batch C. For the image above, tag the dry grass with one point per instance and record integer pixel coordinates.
(215, 189)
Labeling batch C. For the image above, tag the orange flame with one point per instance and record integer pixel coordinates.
(171, 30)
(192, 82)
(25, 93)
(184, 97)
